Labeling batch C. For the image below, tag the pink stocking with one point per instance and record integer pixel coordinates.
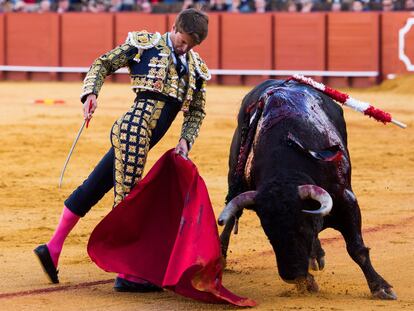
(67, 221)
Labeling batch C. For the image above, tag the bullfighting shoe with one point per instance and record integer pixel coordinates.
(42, 253)
(123, 285)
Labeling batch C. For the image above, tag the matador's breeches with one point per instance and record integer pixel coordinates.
(132, 137)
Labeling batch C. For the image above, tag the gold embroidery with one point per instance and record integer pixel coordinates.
(153, 72)
(153, 61)
(194, 115)
(129, 163)
(103, 66)
(160, 73)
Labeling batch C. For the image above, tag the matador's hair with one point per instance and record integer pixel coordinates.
(194, 23)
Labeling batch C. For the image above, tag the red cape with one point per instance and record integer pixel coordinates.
(165, 232)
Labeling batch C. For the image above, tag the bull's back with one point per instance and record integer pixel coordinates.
(296, 121)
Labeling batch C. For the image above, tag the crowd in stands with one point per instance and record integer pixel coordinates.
(174, 6)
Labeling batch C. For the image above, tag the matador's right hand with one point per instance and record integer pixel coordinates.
(89, 106)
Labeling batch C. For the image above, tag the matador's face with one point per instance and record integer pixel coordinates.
(182, 42)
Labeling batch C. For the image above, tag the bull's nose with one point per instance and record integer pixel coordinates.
(220, 221)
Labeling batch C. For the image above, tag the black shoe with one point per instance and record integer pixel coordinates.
(42, 253)
(123, 285)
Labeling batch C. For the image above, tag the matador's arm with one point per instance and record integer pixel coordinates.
(193, 118)
(105, 65)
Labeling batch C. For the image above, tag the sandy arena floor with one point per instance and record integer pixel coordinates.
(35, 140)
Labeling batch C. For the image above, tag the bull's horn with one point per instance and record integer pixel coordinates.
(318, 194)
(236, 205)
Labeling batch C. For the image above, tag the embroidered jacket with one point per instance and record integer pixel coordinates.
(151, 67)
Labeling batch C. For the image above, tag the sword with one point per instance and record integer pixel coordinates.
(85, 122)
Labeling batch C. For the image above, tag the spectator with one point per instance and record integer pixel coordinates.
(374, 5)
(409, 5)
(187, 4)
(163, 7)
(6, 6)
(97, 6)
(25, 6)
(123, 6)
(219, 6)
(387, 5)
(336, 6)
(44, 6)
(290, 6)
(306, 6)
(357, 6)
(260, 6)
(144, 6)
(242, 6)
(78, 5)
(63, 6)
(19, 6)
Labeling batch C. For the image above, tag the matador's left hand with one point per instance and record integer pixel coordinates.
(182, 148)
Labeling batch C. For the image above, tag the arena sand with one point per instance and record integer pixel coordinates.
(35, 140)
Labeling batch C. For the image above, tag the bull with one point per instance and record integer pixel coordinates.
(289, 162)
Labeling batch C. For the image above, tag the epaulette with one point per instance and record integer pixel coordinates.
(143, 39)
(201, 66)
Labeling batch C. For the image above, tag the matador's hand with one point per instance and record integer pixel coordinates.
(182, 148)
(89, 106)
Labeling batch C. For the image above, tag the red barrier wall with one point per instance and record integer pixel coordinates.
(246, 43)
(32, 40)
(210, 49)
(299, 41)
(390, 26)
(2, 41)
(85, 36)
(319, 41)
(170, 21)
(353, 44)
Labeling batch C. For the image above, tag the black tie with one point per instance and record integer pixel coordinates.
(180, 66)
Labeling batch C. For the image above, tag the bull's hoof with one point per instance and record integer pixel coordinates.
(306, 284)
(317, 264)
(385, 294)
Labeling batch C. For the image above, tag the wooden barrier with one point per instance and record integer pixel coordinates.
(299, 41)
(2, 42)
(390, 26)
(246, 43)
(32, 39)
(319, 41)
(85, 36)
(353, 45)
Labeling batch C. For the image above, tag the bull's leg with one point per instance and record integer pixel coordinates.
(317, 256)
(349, 224)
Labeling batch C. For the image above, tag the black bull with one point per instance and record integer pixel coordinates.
(288, 152)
